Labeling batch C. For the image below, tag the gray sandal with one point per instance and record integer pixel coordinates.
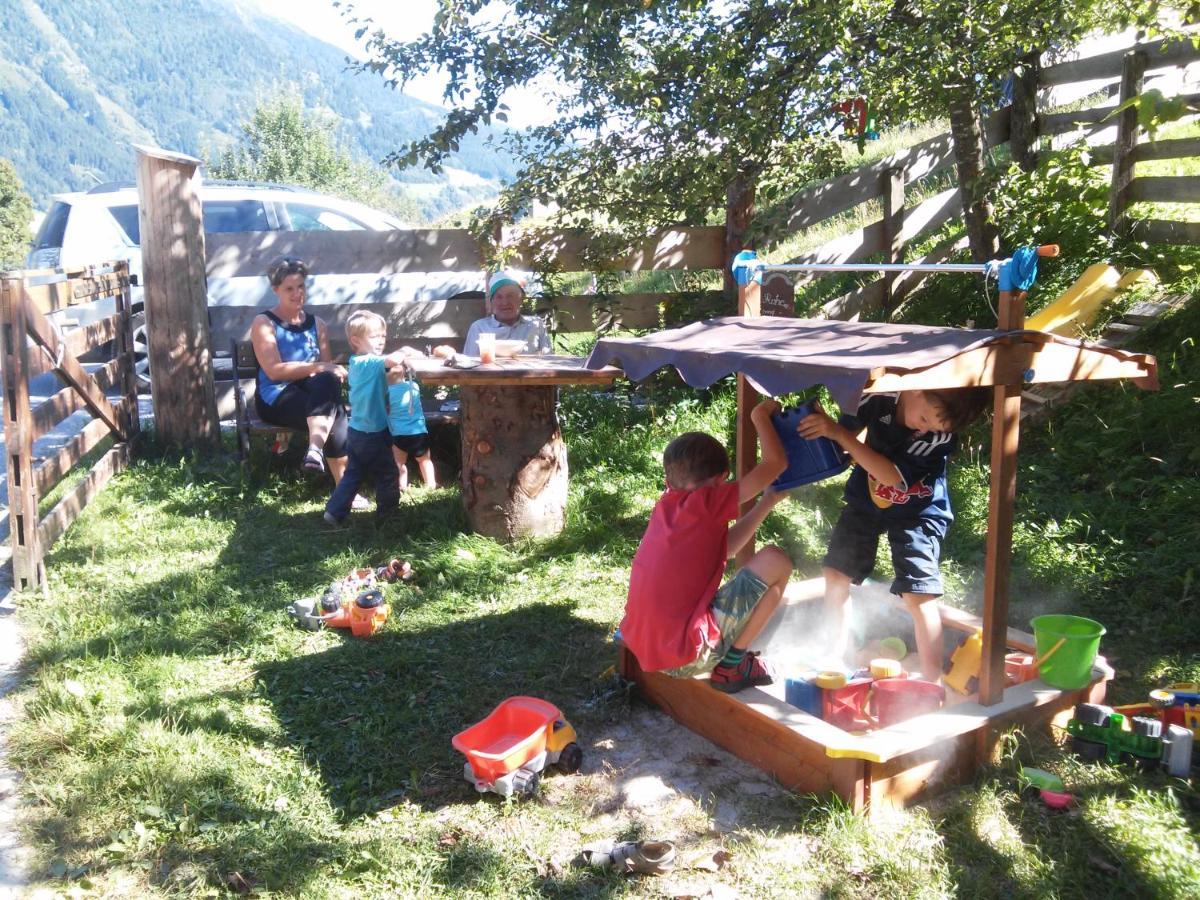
(643, 857)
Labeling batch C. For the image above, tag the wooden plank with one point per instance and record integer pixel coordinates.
(893, 229)
(447, 250)
(1027, 363)
(71, 372)
(849, 307)
(1159, 54)
(1165, 189)
(795, 762)
(1132, 77)
(50, 412)
(67, 510)
(1146, 151)
(63, 290)
(176, 300)
(28, 569)
(522, 371)
(54, 467)
(918, 776)
(582, 313)
(80, 340)
(1058, 123)
(1162, 231)
(1002, 494)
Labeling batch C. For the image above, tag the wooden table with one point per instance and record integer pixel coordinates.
(514, 460)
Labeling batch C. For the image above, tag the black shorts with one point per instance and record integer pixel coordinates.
(316, 395)
(916, 549)
(413, 444)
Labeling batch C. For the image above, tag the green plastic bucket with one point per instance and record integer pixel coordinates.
(1070, 665)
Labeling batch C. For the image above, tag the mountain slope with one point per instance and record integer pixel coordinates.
(80, 80)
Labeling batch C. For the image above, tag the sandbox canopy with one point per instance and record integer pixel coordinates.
(784, 355)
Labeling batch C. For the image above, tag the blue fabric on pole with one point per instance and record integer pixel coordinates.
(1020, 272)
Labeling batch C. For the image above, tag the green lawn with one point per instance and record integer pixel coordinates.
(181, 737)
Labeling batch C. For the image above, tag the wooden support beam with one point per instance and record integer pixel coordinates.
(893, 231)
(53, 468)
(28, 569)
(1163, 231)
(746, 439)
(67, 510)
(1002, 492)
(176, 299)
(71, 372)
(1132, 76)
(50, 412)
(80, 340)
(1165, 189)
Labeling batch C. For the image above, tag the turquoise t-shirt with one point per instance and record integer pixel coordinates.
(368, 393)
(405, 415)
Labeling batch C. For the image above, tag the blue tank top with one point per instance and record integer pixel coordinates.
(297, 343)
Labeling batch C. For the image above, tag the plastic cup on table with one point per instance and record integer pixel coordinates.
(487, 348)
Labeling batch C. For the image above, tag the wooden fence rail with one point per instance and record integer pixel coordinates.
(26, 333)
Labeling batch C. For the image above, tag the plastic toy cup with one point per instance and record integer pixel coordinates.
(487, 348)
(808, 461)
(897, 699)
(1066, 647)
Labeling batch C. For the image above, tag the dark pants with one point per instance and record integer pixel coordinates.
(316, 395)
(370, 458)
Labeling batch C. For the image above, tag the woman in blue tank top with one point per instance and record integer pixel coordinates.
(299, 385)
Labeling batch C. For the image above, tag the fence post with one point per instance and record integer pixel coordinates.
(176, 298)
(1132, 73)
(129, 389)
(1023, 131)
(28, 571)
(892, 189)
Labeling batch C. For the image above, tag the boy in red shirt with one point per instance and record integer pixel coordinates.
(676, 619)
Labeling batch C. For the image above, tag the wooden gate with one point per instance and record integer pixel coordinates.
(32, 344)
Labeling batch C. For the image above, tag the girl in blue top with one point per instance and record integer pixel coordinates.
(299, 385)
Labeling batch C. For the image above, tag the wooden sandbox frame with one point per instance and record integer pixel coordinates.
(908, 762)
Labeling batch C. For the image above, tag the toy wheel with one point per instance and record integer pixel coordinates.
(1144, 726)
(1092, 713)
(526, 782)
(570, 758)
(1088, 751)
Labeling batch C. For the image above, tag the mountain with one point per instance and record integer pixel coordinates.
(81, 80)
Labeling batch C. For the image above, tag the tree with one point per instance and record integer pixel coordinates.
(927, 59)
(282, 143)
(670, 111)
(16, 212)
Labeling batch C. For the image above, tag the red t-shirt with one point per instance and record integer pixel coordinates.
(675, 575)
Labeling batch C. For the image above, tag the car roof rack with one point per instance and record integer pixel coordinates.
(112, 186)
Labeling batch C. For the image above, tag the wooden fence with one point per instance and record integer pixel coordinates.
(31, 344)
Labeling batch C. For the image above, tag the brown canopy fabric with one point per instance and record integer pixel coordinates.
(781, 356)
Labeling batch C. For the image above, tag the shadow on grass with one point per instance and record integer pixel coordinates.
(375, 716)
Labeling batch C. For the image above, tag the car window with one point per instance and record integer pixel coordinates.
(306, 217)
(54, 226)
(127, 218)
(234, 215)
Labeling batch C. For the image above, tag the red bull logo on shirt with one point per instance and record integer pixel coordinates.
(884, 495)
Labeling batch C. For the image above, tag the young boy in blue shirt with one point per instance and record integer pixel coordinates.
(899, 487)
(406, 423)
(368, 440)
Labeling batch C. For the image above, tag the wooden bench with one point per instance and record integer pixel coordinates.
(248, 424)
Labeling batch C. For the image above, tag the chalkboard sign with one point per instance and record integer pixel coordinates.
(778, 297)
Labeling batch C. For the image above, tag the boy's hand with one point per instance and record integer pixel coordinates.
(765, 408)
(444, 351)
(818, 424)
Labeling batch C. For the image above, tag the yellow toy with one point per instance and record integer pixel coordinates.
(964, 664)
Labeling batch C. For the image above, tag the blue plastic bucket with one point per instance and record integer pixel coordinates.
(808, 461)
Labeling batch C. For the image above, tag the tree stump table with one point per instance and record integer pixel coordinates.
(514, 459)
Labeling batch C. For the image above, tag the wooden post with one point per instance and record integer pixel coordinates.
(746, 440)
(892, 189)
(1132, 74)
(28, 570)
(176, 298)
(129, 387)
(1023, 131)
(1002, 492)
(514, 461)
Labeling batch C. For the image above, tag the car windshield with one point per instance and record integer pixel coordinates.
(54, 226)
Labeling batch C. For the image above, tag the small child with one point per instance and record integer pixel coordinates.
(899, 487)
(676, 618)
(505, 294)
(369, 443)
(406, 423)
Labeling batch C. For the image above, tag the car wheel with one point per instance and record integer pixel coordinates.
(141, 350)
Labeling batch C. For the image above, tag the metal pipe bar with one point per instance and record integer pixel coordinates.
(872, 267)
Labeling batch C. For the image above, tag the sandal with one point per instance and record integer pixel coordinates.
(643, 857)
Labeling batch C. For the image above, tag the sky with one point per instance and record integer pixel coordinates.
(403, 20)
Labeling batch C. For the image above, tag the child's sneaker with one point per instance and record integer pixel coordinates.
(748, 673)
